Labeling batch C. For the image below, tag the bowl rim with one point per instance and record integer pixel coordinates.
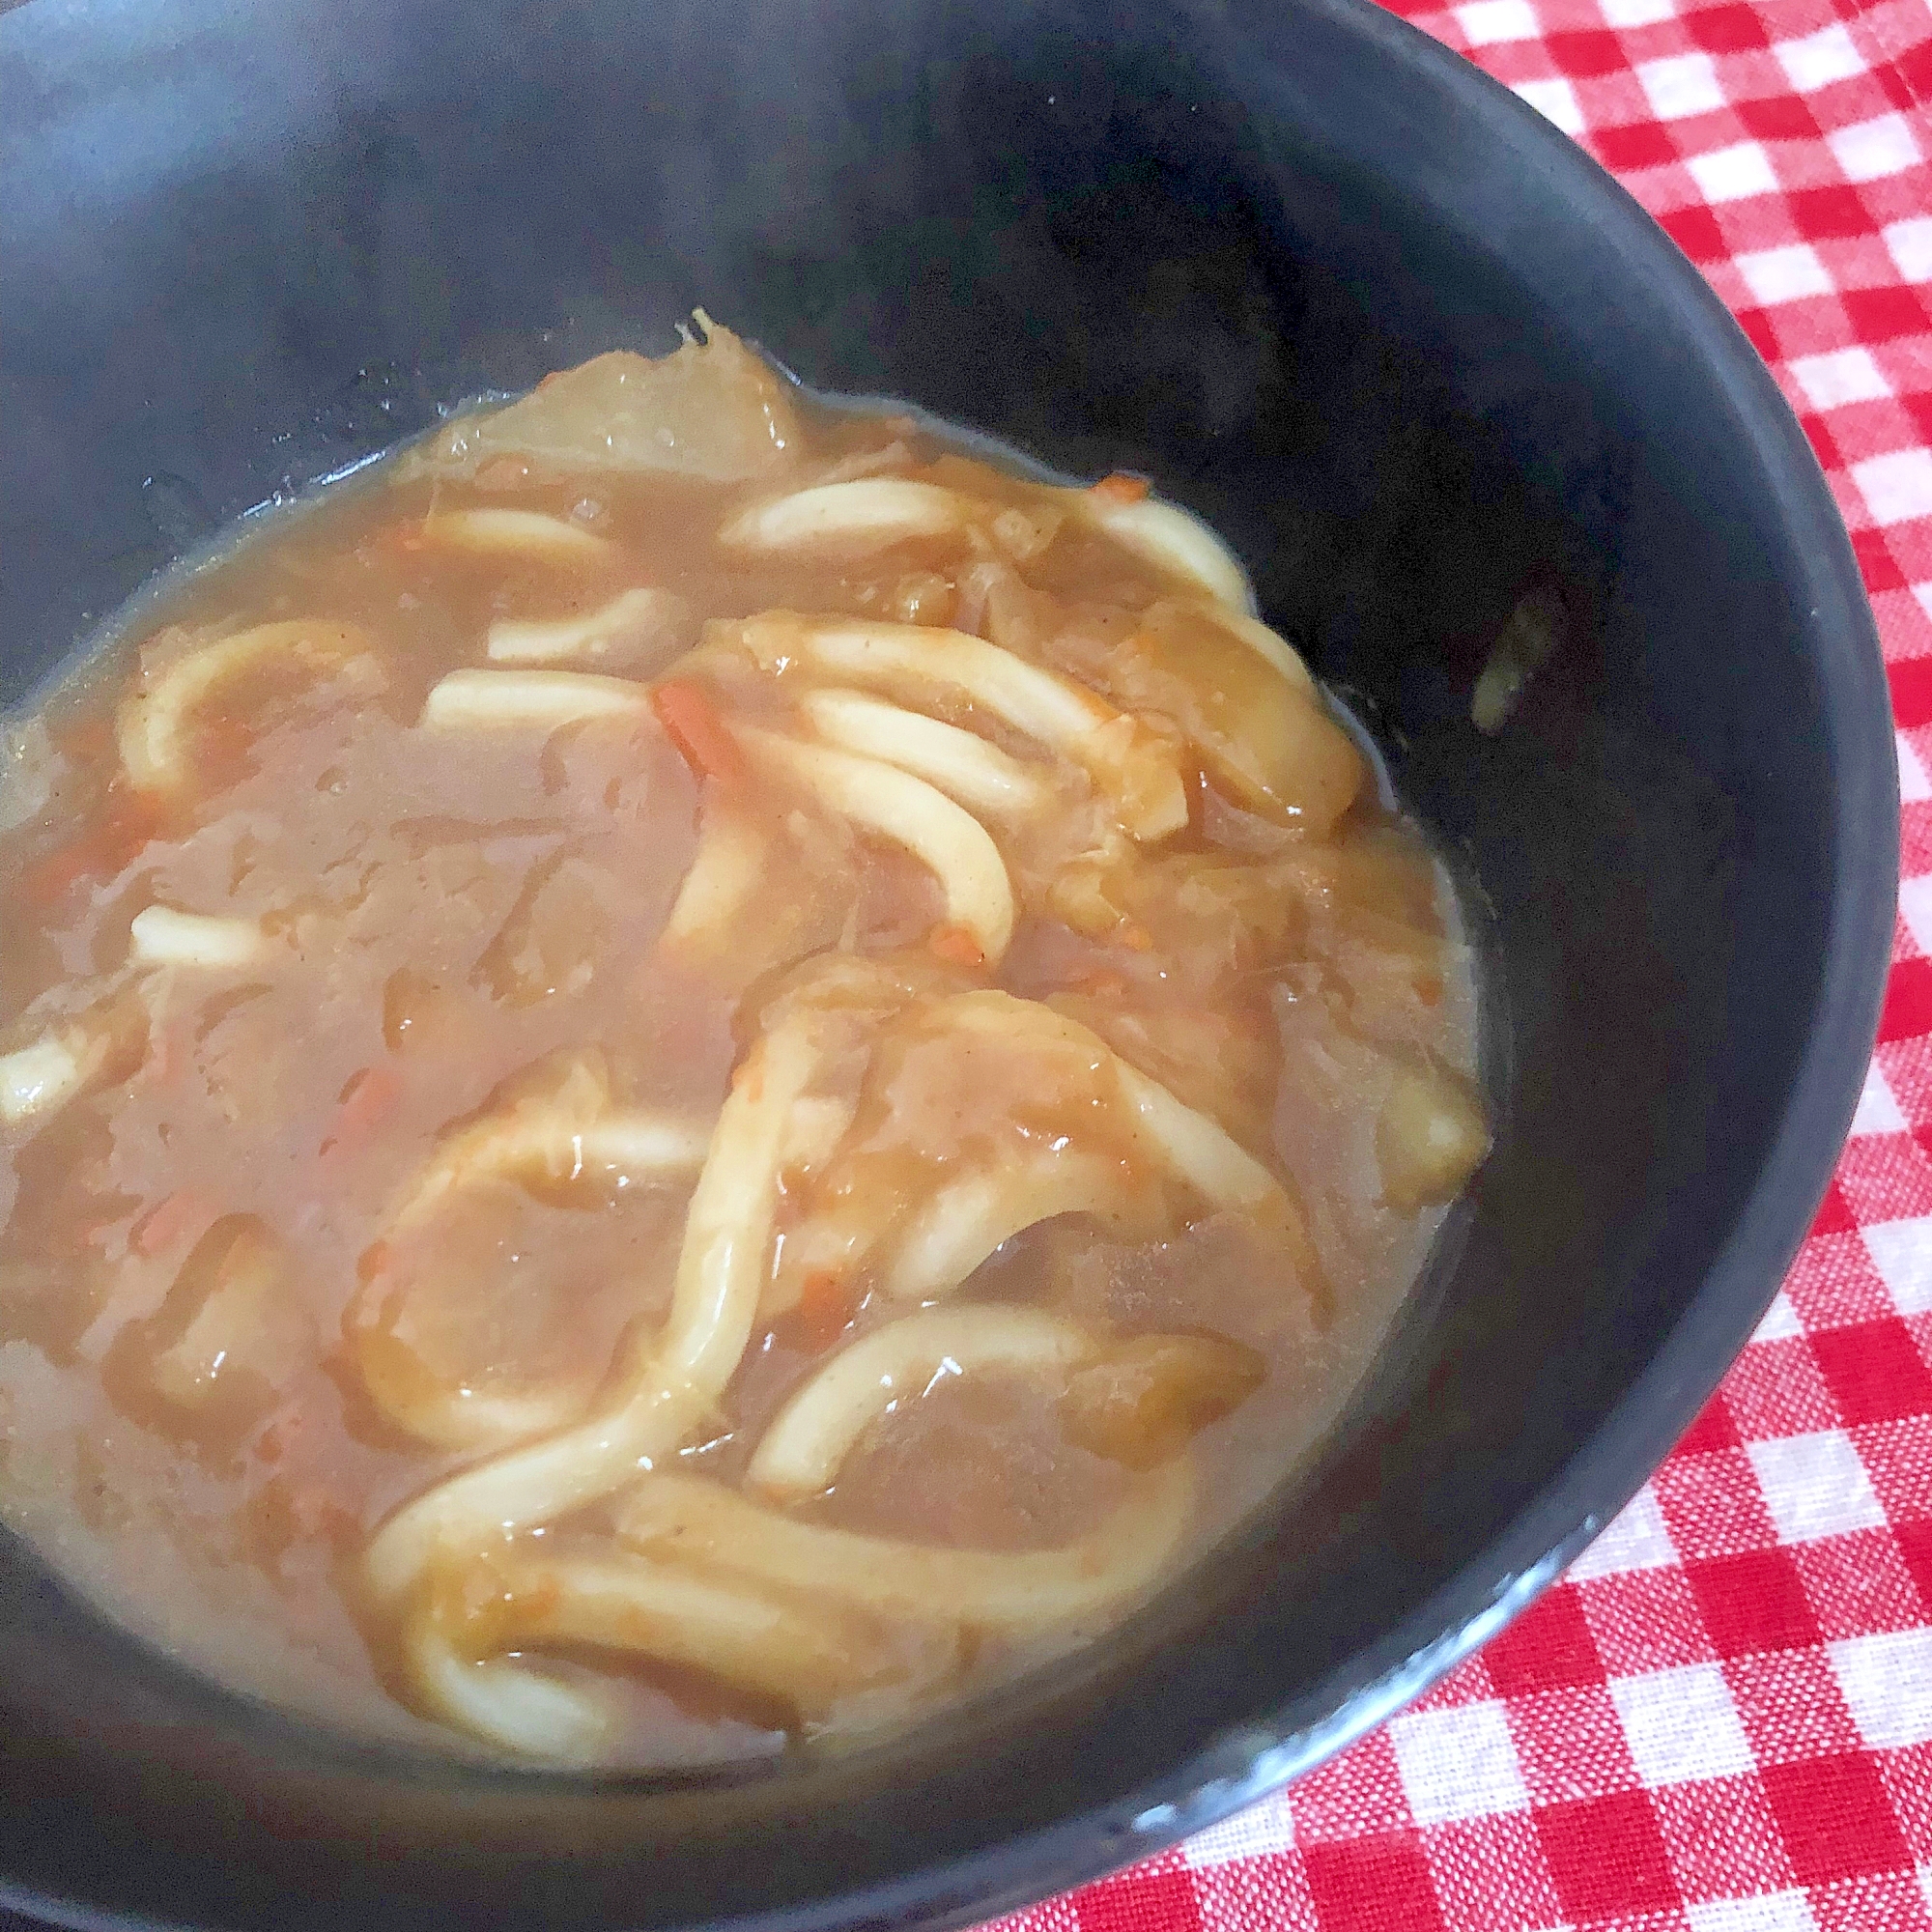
(1613, 1462)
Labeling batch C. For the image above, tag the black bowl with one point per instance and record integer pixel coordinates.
(1414, 354)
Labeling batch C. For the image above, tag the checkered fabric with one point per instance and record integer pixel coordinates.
(1722, 1720)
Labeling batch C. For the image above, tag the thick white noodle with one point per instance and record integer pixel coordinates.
(727, 870)
(928, 667)
(151, 718)
(807, 1441)
(960, 1224)
(458, 1418)
(514, 533)
(1187, 1142)
(1167, 535)
(77, 1054)
(1199, 1149)
(806, 1655)
(564, 1140)
(676, 1377)
(617, 634)
(868, 513)
(1271, 647)
(895, 804)
(488, 699)
(38, 1079)
(522, 1710)
(161, 936)
(1017, 1592)
(968, 770)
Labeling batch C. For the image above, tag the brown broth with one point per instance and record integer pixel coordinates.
(222, 1281)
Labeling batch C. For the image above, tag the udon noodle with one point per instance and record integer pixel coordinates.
(692, 1072)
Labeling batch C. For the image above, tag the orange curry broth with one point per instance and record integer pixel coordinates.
(444, 921)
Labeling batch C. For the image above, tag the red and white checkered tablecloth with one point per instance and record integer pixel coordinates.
(1722, 1720)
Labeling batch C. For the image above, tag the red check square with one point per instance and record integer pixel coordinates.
(1608, 1857)
(1753, 1601)
(1377, 1884)
(1547, 1647)
(1836, 1816)
(1142, 1901)
(1875, 1372)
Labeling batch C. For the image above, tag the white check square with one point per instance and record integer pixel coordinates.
(1914, 786)
(1635, 12)
(1681, 1725)
(1555, 101)
(1261, 1829)
(1901, 1251)
(1458, 1763)
(1488, 22)
(1733, 173)
(1896, 488)
(1819, 59)
(1888, 1683)
(1815, 1486)
(1784, 274)
(1769, 1912)
(1874, 148)
(1911, 245)
(1878, 1110)
(1636, 1540)
(1845, 376)
(1684, 85)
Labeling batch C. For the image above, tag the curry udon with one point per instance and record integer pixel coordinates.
(691, 1070)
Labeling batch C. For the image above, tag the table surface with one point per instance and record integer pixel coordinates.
(1721, 1720)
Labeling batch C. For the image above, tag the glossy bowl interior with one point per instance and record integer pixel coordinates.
(1413, 354)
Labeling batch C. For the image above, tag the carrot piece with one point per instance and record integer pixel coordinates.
(702, 736)
(373, 1261)
(366, 1102)
(954, 945)
(1121, 488)
(825, 1307)
(169, 1221)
